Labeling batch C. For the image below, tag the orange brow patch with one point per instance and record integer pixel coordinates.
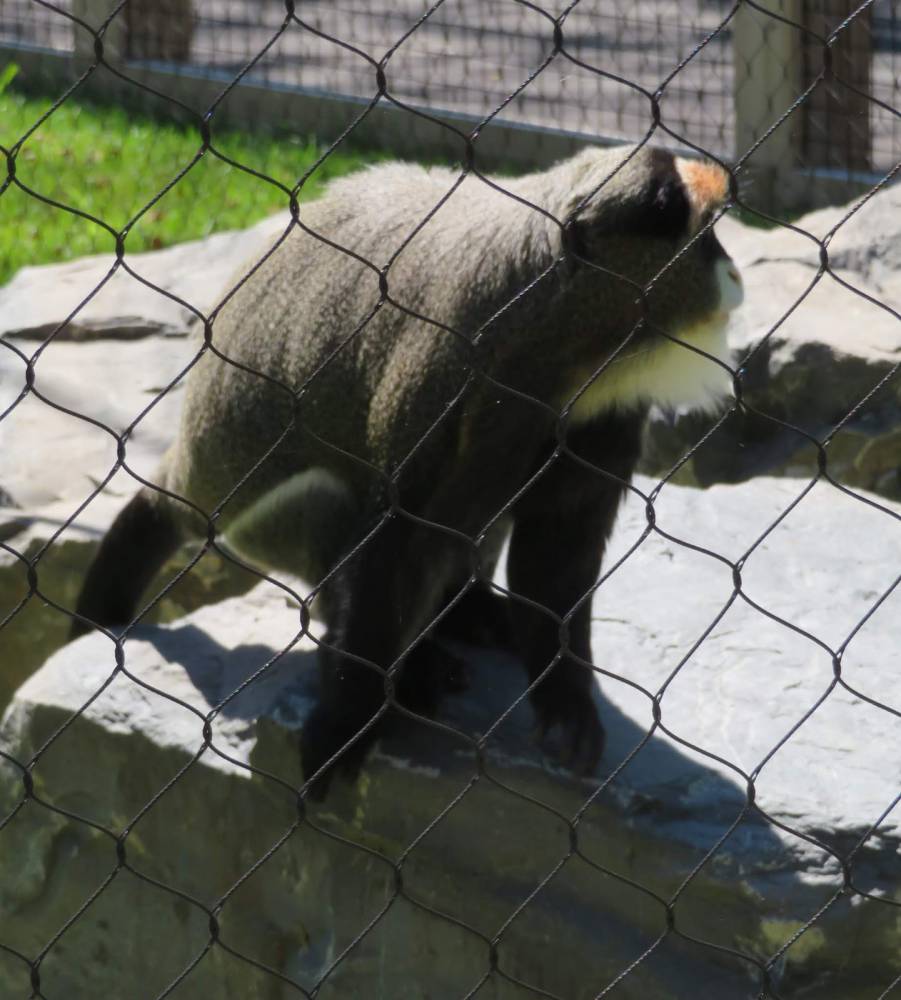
(707, 184)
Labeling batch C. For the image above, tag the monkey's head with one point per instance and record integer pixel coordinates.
(645, 214)
(641, 246)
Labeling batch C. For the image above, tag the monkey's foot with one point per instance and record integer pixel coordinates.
(569, 710)
(327, 732)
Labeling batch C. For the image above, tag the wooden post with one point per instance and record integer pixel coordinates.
(768, 75)
(143, 29)
(160, 29)
(94, 13)
(837, 130)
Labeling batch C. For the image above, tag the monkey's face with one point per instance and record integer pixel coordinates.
(646, 218)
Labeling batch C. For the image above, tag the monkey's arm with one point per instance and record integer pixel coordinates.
(560, 530)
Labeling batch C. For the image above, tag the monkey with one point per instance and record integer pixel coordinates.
(428, 365)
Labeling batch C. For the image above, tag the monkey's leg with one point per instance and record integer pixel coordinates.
(432, 670)
(429, 673)
(142, 537)
(303, 525)
(560, 529)
(470, 612)
(481, 617)
(381, 600)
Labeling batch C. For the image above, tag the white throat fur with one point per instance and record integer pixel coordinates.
(667, 372)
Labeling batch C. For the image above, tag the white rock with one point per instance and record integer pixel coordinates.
(51, 455)
(749, 684)
(39, 299)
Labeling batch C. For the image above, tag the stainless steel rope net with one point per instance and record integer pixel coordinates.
(127, 850)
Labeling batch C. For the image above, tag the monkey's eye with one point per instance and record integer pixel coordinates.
(663, 210)
(668, 213)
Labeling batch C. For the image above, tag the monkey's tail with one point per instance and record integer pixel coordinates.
(142, 537)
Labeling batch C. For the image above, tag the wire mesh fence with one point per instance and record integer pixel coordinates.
(468, 58)
(418, 545)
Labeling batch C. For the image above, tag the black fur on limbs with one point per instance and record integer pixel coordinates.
(560, 528)
(441, 380)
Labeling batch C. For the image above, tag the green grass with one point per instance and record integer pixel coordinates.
(110, 165)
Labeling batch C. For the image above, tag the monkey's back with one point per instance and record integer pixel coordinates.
(309, 335)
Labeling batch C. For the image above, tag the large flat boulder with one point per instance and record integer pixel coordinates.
(89, 298)
(34, 624)
(55, 462)
(397, 887)
(106, 365)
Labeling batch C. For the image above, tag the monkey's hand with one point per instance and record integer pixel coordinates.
(563, 703)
